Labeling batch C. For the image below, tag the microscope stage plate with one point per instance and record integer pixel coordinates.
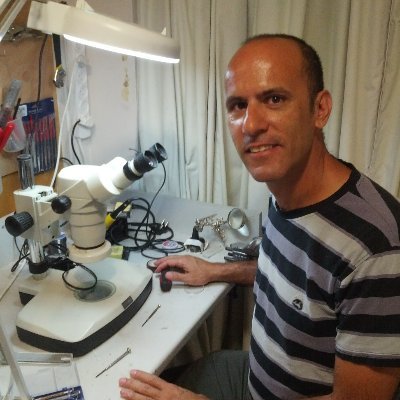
(57, 319)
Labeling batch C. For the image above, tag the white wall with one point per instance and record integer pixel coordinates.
(110, 88)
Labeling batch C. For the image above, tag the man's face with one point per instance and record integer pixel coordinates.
(269, 113)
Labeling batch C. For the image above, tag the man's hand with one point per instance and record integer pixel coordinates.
(194, 271)
(144, 386)
(197, 272)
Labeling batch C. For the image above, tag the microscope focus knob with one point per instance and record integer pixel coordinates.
(19, 223)
(61, 204)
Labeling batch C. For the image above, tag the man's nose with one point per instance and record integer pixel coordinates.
(255, 120)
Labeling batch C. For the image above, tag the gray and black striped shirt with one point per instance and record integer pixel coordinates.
(328, 283)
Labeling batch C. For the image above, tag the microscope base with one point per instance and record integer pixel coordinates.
(57, 319)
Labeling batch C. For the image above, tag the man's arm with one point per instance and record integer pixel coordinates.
(351, 382)
(362, 382)
(142, 385)
(196, 271)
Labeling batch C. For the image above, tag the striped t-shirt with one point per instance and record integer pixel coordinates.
(328, 283)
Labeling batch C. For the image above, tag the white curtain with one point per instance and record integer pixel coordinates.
(183, 106)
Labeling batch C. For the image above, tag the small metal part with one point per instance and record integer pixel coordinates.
(156, 309)
(67, 394)
(16, 33)
(40, 358)
(128, 351)
(25, 171)
(59, 77)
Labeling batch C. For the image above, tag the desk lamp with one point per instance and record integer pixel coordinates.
(96, 30)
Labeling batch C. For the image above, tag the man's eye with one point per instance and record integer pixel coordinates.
(276, 99)
(241, 105)
(236, 106)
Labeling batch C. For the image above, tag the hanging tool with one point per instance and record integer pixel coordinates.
(5, 134)
(9, 102)
(60, 73)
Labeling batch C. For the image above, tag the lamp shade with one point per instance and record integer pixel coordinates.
(100, 31)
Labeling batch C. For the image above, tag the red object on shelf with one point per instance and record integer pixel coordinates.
(5, 134)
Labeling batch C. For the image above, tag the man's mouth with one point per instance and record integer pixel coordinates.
(258, 149)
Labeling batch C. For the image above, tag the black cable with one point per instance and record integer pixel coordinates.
(60, 263)
(36, 120)
(58, 246)
(67, 160)
(72, 140)
(155, 234)
(149, 230)
(16, 243)
(15, 266)
(40, 68)
(121, 226)
(23, 253)
(65, 264)
(144, 225)
(146, 217)
(73, 287)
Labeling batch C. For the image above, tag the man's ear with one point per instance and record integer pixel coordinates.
(322, 108)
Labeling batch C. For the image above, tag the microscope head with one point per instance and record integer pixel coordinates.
(89, 187)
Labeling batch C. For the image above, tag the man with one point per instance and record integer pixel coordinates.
(326, 323)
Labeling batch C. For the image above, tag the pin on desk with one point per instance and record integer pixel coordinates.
(128, 351)
(155, 310)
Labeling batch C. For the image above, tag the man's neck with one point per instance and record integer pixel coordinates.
(316, 183)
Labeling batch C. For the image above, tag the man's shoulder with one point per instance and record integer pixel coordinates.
(370, 211)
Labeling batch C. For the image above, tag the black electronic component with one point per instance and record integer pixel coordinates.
(165, 283)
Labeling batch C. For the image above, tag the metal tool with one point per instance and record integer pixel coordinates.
(128, 351)
(158, 306)
(9, 102)
(67, 394)
(40, 358)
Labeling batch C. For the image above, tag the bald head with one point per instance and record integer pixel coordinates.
(291, 48)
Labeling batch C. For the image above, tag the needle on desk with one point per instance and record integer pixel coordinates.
(128, 350)
(158, 306)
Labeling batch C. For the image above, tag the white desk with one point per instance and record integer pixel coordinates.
(183, 309)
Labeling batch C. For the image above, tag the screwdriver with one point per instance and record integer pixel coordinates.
(128, 351)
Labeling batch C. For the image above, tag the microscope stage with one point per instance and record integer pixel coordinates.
(58, 319)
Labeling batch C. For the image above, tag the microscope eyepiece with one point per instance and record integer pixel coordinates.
(159, 152)
(143, 162)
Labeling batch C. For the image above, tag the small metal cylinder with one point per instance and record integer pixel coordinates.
(25, 170)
